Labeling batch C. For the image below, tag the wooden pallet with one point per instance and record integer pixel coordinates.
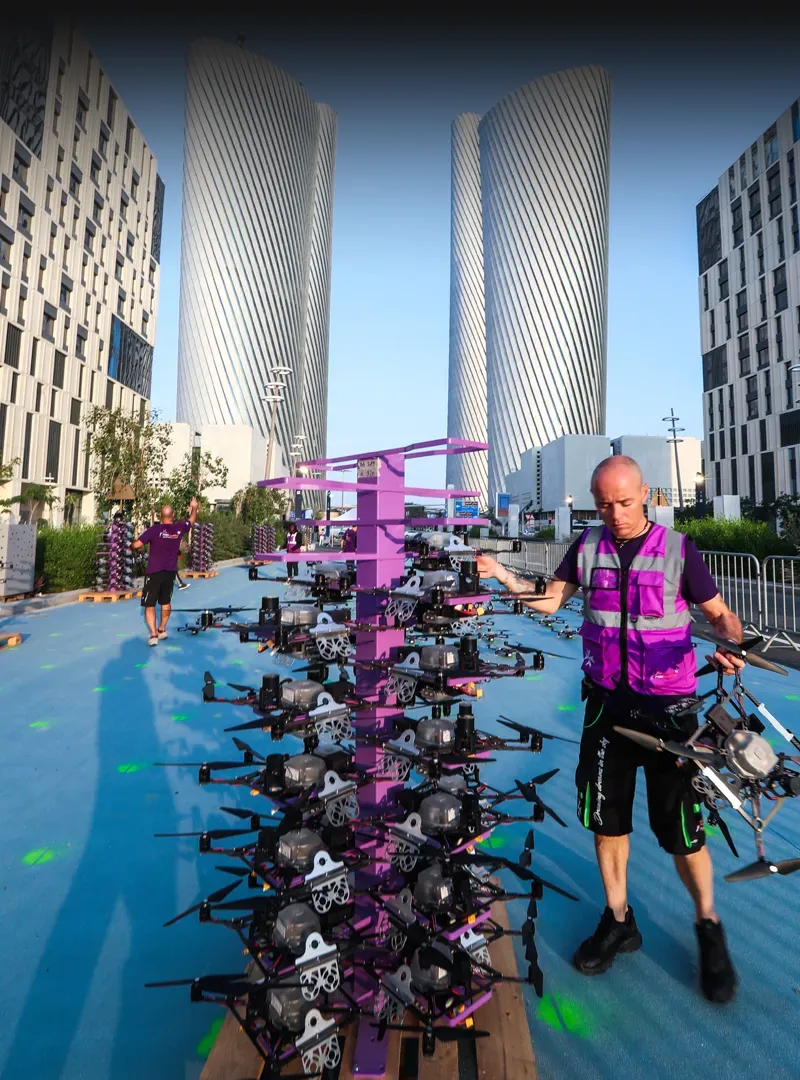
(199, 573)
(8, 641)
(110, 597)
(506, 1055)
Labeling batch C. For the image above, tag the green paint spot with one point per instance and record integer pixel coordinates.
(217, 715)
(236, 663)
(180, 718)
(793, 697)
(90, 648)
(174, 648)
(41, 725)
(47, 667)
(100, 689)
(563, 1014)
(59, 634)
(493, 842)
(132, 766)
(567, 708)
(533, 678)
(144, 663)
(711, 830)
(38, 857)
(208, 1040)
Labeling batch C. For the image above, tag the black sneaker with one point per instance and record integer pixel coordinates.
(717, 975)
(597, 953)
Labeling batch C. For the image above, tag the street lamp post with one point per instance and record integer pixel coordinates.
(699, 483)
(297, 451)
(672, 420)
(569, 501)
(276, 397)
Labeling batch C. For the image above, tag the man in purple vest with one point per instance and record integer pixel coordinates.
(638, 580)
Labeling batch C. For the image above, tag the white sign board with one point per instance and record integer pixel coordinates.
(368, 468)
(512, 525)
(563, 523)
(727, 506)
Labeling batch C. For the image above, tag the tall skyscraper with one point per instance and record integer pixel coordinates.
(81, 206)
(748, 241)
(466, 398)
(544, 183)
(256, 251)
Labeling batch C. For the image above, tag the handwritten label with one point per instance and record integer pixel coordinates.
(368, 468)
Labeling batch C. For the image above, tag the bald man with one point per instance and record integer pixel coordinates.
(638, 580)
(164, 539)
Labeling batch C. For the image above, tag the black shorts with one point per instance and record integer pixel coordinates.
(158, 588)
(606, 783)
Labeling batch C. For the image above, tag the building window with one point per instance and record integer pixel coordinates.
(129, 137)
(734, 476)
(40, 282)
(53, 402)
(80, 345)
(59, 163)
(741, 311)
(26, 447)
(751, 397)
(737, 222)
(711, 452)
(134, 185)
(13, 342)
(118, 267)
(723, 279)
(53, 451)
(102, 144)
(26, 258)
(711, 412)
(88, 240)
(712, 328)
(123, 208)
(61, 209)
(762, 296)
(129, 249)
(12, 393)
(774, 192)
(19, 170)
(74, 184)
(762, 435)
(66, 295)
(781, 243)
(779, 338)
(755, 164)
(109, 394)
(760, 253)
(779, 288)
(718, 477)
(38, 407)
(742, 271)
(771, 146)
(731, 183)
(48, 326)
(720, 408)
(34, 350)
(762, 346)
(767, 394)
(744, 438)
(94, 171)
(48, 196)
(722, 444)
(24, 218)
(121, 303)
(792, 470)
(705, 292)
(789, 385)
(21, 308)
(75, 411)
(59, 363)
(97, 211)
(732, 437)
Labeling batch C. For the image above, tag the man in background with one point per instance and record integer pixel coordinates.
(164, 539)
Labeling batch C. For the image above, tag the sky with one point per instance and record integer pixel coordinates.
(685, 104)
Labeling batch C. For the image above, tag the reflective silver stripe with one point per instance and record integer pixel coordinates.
(588, 555)
(614, 618)
(673, 570)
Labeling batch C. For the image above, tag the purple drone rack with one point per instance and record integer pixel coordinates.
(380, 563)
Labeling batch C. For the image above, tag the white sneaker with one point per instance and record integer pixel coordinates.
(162, 634)
(152, 640)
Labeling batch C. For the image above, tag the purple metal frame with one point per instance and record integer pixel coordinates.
(380, 562)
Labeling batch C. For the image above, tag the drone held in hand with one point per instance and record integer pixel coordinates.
(736, 765)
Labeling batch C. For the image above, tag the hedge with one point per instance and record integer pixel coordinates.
(753, 537)
(66, 557)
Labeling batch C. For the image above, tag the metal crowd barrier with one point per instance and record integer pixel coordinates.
(766, 597)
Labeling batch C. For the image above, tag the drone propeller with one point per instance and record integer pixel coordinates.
(205, 764)
(649, 742)
(212, 834)
(706, 755)
(520, 871)
(252, 725)
(764, 868)
(742, 649)
(530, 795)
(241, 745)
(236, 811)
(202, 982)
(227, 609)
(529, 732)
(243, 689)
(220, 894)
(236, 871)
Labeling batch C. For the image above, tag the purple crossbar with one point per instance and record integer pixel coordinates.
(423, 449)
(313, 556)
(412, 523)
(305, 483)
(454, 601)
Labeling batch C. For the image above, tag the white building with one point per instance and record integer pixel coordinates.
(748, 235)
(553, 474)
(466, 391)
(656, 458)
(241, 448)
(544, 186)
(80, 239)
(256, 248)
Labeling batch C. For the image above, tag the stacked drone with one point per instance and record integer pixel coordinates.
(374, 903)
(201, 556)
(114, 561)
(262, 538)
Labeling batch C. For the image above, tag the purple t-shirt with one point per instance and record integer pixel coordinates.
(165, 544)
(350, 540)
(697, 584)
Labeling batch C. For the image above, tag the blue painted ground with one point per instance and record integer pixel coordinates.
(86, 709)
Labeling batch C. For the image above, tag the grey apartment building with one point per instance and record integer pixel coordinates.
(80, 239)
(748, 236)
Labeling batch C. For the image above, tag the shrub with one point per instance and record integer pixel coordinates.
(754, 537)
(231, 535)
(66, 557)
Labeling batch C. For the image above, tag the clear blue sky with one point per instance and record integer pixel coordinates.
(685, 104)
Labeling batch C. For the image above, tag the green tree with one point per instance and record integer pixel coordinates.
(128, 452)
(38, 496)
(196, 473)
(7, 470)
(787, 511)
(259, 506)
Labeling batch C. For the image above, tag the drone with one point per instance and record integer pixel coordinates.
(210, 618)
(736, 766)
(299, 629)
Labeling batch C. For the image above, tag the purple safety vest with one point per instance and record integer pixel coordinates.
(657, 630)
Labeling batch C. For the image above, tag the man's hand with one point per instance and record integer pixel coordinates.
(489, 568)
(726, 625)
(727, 662)
(194, 504)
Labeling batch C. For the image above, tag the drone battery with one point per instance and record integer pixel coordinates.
(754, 724)
(540, 586)
(206, 619)
(244, 637)
(538, 661)
(252, 573)
(270, 604)
(718, 718)
(468, 653)
(269, 692)
(518, 607)
(465, 729)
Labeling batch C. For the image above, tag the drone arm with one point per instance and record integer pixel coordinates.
(558, 592)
